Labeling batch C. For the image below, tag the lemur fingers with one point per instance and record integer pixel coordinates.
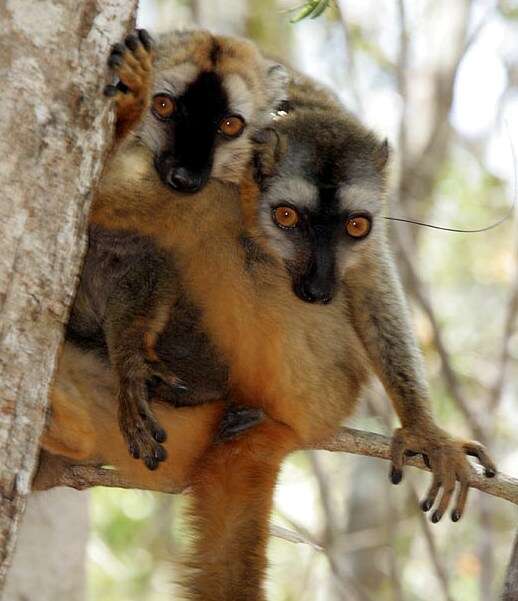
(139, 426)
(445, 456)
(132, 63)
(475, 449)
(141, 45)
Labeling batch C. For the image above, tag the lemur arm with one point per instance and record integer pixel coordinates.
(380, 316)
(136, 314)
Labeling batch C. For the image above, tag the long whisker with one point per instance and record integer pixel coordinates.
(477, 230)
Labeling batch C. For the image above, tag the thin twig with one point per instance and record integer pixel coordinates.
(330, 519)
(440, 570)
(510, 318)
(402, 69)
(359, 442)
(351, 70)
(510, 592)
(449, 374)
(292, 536)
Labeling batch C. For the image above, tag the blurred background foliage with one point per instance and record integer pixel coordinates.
(439, 78)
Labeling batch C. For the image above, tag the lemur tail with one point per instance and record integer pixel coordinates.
(232, 501)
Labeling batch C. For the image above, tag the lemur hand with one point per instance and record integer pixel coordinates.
(445, 456)
(140, 428)
(132, 63)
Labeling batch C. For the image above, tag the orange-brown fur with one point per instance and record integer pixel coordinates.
(303, 365)
(268, 337)
(132, 327)
(266, 334)
(84, 428)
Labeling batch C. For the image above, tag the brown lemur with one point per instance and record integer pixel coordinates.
(294, 289)
(193, 101)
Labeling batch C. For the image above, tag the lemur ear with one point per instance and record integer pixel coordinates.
(382, 155)
(269, 147)
(277, 81)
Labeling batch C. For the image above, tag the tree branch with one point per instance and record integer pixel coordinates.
(54, 471)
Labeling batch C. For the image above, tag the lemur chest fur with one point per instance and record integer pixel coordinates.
(302, 363)
(277, 346)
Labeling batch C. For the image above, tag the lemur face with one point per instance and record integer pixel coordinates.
(210, 95)
(320, 210)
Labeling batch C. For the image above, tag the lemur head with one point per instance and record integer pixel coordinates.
(211, 94)
(322, 179)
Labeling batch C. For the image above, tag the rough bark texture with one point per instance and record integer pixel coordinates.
(54, 130)
(49, 561)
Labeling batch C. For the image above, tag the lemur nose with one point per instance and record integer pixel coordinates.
(314, 291)
(183, 181)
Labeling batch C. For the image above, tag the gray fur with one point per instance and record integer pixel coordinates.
(324, 141)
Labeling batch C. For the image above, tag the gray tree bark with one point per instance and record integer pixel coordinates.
(54, 131)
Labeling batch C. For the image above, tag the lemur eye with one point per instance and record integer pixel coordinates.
(231, 127)
(163, 106)
(358, 226)
(285, 217)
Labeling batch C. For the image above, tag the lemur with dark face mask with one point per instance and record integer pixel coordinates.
(294, 298)
(191, 103)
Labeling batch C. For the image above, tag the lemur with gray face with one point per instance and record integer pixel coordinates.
(193, 102)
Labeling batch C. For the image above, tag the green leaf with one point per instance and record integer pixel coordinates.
(305, 12)
(320, 8)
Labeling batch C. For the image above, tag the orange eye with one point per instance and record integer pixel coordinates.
(163, 106)
(358, 227)
(286, 217)
(231, 127)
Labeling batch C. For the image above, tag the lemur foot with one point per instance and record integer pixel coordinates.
(236, 420)
(445, 456)
(132, 63)
(140, 428)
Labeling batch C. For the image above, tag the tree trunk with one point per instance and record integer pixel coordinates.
(49, 561)
(54, 131)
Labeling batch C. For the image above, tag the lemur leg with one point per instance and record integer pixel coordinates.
(132, 63)
(70, 431)
(232, 500)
